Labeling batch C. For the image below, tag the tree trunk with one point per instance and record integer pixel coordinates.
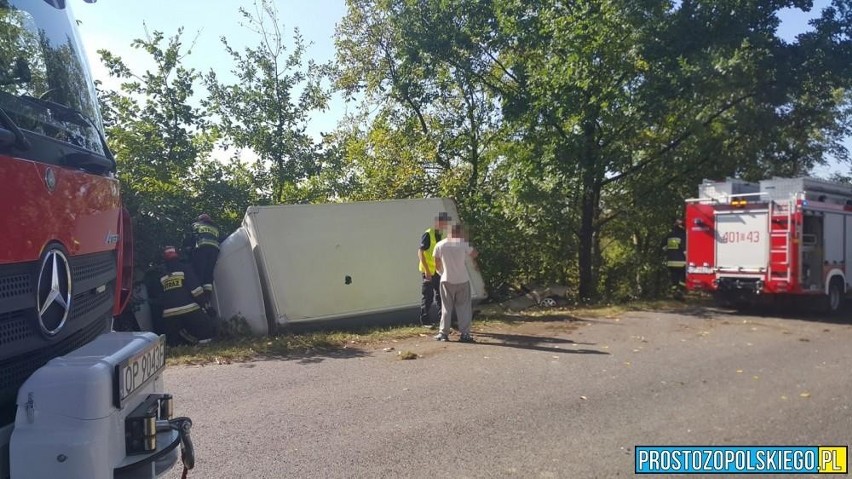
(589, 205)
(588, 213)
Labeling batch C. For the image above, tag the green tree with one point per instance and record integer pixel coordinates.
(156, 135)
(620, 100)
(447, 116)
(266, 109)
(225, 189)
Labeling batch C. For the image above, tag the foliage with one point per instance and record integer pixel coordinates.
(568, 132)
(267, 107)
(161, 143)
(434, 117)
(610, 112)
(156, 136)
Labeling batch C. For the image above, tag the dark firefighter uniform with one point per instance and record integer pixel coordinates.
(203, 242)
(675, 249)
(184, 321)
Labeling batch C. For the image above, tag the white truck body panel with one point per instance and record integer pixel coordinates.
(342, 260)
(848, 240)
(742, 240)
(709, 189)
(834, 243)
(238, 291)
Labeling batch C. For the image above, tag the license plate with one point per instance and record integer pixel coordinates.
(136, 372)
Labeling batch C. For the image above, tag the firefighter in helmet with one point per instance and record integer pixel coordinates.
(674, 247)
(203, 246)
(184, 321)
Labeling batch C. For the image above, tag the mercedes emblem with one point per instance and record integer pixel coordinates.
(54, 292)
(50, 179)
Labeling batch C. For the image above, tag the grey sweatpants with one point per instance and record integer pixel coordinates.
(456, 297)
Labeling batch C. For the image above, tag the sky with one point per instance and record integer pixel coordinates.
(113, 24)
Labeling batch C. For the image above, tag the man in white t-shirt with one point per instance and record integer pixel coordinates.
(450, 260)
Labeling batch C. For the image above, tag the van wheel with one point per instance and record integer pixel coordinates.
(549, 302)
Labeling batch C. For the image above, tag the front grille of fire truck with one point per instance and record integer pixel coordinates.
(23, 349)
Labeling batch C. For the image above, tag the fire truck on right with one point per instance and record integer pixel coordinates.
(778, 238)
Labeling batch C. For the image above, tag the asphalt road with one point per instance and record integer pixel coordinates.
(557, 399)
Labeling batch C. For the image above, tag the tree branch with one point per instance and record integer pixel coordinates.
(676, 142)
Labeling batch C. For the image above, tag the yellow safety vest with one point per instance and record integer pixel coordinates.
(430, 260)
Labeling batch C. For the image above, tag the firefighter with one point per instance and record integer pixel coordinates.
(203, 245)
(674, 247)
(184, 320)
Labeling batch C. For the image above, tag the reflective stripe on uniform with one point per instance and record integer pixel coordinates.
(675, 264)
(207, 242)
(205, 235)
(202, 228)
(173, 280)
(198, 291)
(188, 336)
(181, 310)
(673, 243)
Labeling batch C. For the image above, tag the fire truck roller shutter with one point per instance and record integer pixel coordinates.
(742, 240)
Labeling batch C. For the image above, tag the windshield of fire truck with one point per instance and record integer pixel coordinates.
(45, 86)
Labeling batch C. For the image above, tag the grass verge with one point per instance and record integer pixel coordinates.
(249, 348)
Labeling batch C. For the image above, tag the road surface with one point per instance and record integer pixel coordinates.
(545, 400)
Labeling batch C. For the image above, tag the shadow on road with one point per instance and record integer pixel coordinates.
(800, 314)
(314, 356)
(557, 316)
(783, 311)
(536, 343)
(796, 308)
(701, 312)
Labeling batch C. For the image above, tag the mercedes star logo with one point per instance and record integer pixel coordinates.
(50, 179)
(54, 292)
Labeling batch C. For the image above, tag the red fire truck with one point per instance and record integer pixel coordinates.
(788, 237)
(76, 399)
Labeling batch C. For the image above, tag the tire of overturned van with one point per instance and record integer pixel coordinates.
(549, 302)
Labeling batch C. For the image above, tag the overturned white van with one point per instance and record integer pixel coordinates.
(297, 263)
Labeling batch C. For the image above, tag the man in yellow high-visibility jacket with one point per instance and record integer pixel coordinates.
(431, 280)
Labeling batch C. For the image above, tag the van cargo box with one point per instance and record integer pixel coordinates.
(329, 261)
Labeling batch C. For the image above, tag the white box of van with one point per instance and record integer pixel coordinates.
(332, 261)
